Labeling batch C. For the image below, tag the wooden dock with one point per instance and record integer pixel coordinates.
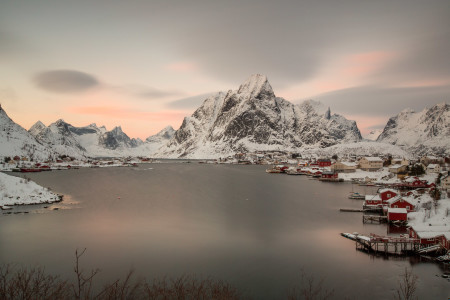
(387, 245)
(374, 219)
(351, 210)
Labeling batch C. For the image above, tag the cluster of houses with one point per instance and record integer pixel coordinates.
(392, 203)
(23, 164)
(396, 206)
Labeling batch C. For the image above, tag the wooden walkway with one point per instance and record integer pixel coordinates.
(374, 219)
(387, 245)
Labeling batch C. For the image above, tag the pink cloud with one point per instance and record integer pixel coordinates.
(367, 123)
(181, 66)
(127, 113)
(361, 64)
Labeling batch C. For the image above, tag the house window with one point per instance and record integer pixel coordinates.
(395, 206)
(388, 195)
(430, 240)
(407, 207)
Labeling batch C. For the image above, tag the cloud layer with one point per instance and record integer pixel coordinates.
(65, 81)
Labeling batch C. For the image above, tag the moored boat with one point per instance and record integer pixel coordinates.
(357, 196)
(28, 170)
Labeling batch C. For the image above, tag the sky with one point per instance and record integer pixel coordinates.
(144, 65)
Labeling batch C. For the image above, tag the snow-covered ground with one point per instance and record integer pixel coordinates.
(361, 175)
(16, 191)
(430, 213)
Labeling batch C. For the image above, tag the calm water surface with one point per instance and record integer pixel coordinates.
(255, 230)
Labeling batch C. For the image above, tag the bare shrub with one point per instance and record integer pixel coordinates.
(82, 289)
(189, 287)
(33, 283)
(125, 289)
(310, 289)
(407, 286)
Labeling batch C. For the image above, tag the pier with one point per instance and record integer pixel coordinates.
(387, 244)
(374, 219)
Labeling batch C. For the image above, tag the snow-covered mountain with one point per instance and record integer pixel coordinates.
(253, 118)
(373, 135)
(91, 141)
(15, 140)
(422, 132)
(58, 137)
(154, 142)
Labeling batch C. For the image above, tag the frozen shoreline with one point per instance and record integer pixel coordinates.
(20, 191)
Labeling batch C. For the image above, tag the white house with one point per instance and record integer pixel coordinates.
(433, 168)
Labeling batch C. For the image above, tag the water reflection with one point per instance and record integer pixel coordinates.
(255, 230)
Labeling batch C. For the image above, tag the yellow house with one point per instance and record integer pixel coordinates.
(370, 163)
(344, 167)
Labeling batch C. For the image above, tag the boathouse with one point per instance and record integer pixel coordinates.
(431, 235)
(329, 175)
(397, 214)
(373, 200)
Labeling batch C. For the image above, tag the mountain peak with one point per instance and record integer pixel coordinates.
(255, 86)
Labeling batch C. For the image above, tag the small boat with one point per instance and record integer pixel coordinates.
(273, 170)
(28, 170)
(357, 196)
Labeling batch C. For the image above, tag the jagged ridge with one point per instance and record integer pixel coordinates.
(253, 118)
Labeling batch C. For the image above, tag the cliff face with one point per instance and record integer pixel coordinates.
(253, 118)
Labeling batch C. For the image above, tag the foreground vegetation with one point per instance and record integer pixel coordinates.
(34, 283)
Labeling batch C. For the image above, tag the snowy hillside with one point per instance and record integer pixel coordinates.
(252, 118)
(15, 140)
(15, 190)
(364, 148)
(423, 132)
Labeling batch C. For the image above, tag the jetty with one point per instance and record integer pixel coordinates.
(385, 244)
(374, 219)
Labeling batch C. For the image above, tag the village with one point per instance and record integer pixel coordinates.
(412, 195)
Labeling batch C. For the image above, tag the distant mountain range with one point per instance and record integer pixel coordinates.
(250, 118)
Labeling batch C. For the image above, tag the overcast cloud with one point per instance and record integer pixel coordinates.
(65, 81)
(360, 57)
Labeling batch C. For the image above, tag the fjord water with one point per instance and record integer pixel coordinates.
(257, 231)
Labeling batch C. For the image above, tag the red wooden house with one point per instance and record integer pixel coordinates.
(324, 162)
(399, 202)
(326, 174)
(386, 194)
(381, 198)
(431, 235)
(397, 214)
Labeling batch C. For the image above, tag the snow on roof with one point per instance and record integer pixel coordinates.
(373, 197)
(397, 210)
(432, 166)
(396, 166)
(371, 158)
(425, 231)
(394, 199)
(388, 190)
(411, 179)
